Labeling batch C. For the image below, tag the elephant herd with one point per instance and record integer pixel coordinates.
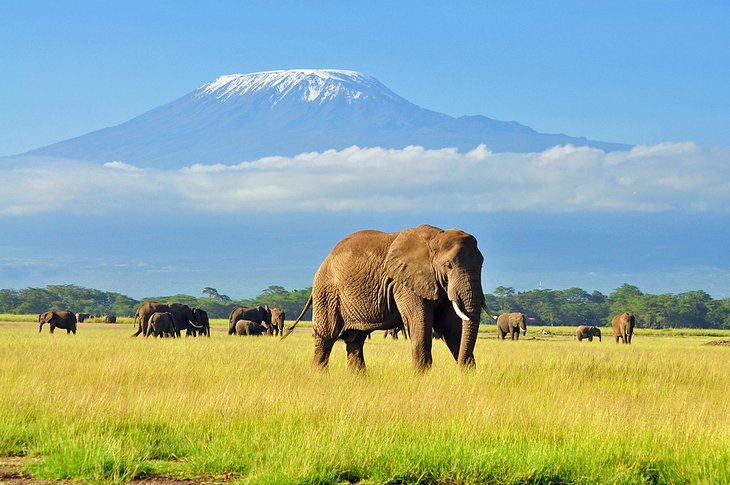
(425, 280)
(170, 319)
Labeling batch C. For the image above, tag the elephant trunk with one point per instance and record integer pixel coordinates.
(468, 305)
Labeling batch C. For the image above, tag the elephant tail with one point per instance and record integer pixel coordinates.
(486, 309)
(307, 306)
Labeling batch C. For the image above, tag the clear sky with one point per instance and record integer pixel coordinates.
(639, 72)
(653, 73)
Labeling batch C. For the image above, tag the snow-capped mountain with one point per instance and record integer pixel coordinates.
(241, 117)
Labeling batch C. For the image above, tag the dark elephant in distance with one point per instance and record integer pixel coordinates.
(258, 314)
(511, 323)
(80, 317)
(181, 314)
(393, 332)
(202, 320)
(623, 326)
(59, 319)
(424, 277)
(277, 320)
(249, 327)
(161, 324)
(586, 331)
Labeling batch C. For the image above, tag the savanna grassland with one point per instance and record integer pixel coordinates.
(103, 407)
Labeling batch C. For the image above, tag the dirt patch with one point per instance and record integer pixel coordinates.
(11, 472)
(719, 342)
(158, 480)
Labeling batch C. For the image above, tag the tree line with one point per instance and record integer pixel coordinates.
(573, 306)
(96, 302)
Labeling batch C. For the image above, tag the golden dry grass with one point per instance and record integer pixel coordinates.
(101, 406)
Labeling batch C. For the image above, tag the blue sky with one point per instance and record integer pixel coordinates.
(626, 71)
(650, 73)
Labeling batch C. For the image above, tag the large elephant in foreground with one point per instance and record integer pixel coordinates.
(623, 326)
(511, 323)
(60, 319)
(424, 277)
(258, 314)
(586, 331)
(182, 315)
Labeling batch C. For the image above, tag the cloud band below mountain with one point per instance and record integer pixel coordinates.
(664, 177)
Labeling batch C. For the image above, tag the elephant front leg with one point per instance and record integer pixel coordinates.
(417, 315)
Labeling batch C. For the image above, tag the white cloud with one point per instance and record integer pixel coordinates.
(668, 176)
(121, 166)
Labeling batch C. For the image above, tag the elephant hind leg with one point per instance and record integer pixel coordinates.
(355, 340)
(322, 350)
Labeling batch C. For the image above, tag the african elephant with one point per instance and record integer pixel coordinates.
(277, 320)
(161, 324)
(249, 327)
(258, 314)
(393, 332)
(623, 326)
(202, 320)
(80, 317)
(586, 331)
(181, 314)
(424, 277)
(61, 319)
(511, 323)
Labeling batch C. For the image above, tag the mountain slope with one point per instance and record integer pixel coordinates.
(247, 116)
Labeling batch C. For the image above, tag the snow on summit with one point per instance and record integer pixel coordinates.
(310, 85)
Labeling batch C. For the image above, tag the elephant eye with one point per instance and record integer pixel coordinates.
(449, 265)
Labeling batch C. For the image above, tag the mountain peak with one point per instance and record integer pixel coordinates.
(308, 85)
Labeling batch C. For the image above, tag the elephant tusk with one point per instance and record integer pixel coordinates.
(458, 311)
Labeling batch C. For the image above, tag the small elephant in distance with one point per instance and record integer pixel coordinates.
(161, 324)
(277, 320)
(586, 331)
(80, 317)
(393, 332)
(511, 323)
(259, 314)
(249, 327)
(61, 319)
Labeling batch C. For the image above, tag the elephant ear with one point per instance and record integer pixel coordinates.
(409, 261)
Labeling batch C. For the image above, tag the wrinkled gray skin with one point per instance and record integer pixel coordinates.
(585, 331)
(424, 277)
(277, 320)
(258, 314)
(623, 327)
(181, 314)
(393, 332)
(511, 323)
(202, 320)
(249, 327)
(60, 319)
(161, 324)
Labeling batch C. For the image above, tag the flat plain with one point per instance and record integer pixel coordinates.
(100, 406)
